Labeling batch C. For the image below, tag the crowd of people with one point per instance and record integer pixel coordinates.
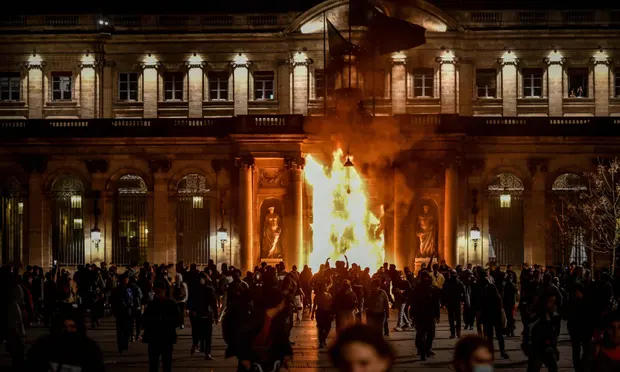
(258, 310)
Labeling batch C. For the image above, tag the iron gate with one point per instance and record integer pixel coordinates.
(568, 238)
(193, 220)
(506, 224)
(11, 222)
(130, 224)
(68, 221)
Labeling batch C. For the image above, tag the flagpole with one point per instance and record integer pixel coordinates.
(325, 79)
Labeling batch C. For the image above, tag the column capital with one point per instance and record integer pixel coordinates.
(451, 161)
(97, 165)
(34, 163)
(246, 162)
(300, 59)
(88, 63)
(555, 58)
(600, 60)
(447, 57)
(536, 165)
(240, 60)
(160, 165)
(35, 65)
(508, 61)
(295, 163)
(399, 59)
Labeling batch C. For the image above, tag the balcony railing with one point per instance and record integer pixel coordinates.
(206, 127)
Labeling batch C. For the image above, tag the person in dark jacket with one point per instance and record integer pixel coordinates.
(263, 341)
(469, 314)
(122, 299)
(202, 306)
(491, 316)
(509, 297)
(542, 348)
(453, 297)
(426, 309)
(66, 348)
(161, 319)
(580, 324)
(345, 304)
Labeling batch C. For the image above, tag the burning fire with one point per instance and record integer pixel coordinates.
(343, 223)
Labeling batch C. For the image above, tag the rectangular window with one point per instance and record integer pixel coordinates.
(9, 86)
(486, 83)
(173, 86)
(218, 85)
(423, 82)
(263, 85)
(617, 82)
(128, 86)
(578, 82)
(320, 79)
(374, 84)
(61, 86)
(532, 82)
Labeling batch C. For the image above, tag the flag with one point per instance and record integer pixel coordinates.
(338, 45)
(388, 34)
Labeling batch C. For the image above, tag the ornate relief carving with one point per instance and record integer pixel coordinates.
(271, 177)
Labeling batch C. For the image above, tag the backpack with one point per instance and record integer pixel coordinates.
(179, 293)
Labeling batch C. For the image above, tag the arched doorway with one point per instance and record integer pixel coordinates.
(506, 219)
(130, 227)
(11, 221)
(68, 221)
(193, 220)
(567, 237)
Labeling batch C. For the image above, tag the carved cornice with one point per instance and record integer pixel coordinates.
(160, 165)
(97, 165)
(536, 165)
(295, 163)
(33, 163)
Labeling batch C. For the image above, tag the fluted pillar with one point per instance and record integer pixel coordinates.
(88, 87)
(35, 87)
(555, 75)
(241, 83)
(149, 87)
(601, 83)
(509, 83)
(160, 232)
(35, 166)
(448, 83)
(450, 215)
(246, 236)
(399, 84)
(296, 252)
(300, 63)
(195, 89)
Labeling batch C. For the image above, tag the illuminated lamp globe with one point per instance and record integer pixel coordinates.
(95, 234)
(222, 234)
(474, 233)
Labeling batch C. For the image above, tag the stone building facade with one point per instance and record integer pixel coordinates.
(162, 130)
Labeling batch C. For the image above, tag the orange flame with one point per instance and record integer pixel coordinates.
(342, 222)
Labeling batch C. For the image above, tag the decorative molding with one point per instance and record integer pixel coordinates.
(90, 63)
(271, 177)
(35, 66)
(295, 163)
(536, 165)
(97, 165)
(245, 161)
(195, 64)
(601, 61)
(295, 63)
(154, 65)
(236, 64)
(160, 165)
(34, 163)
(508, 62)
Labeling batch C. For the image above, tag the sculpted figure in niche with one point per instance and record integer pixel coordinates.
(272, 231)
(426, 233)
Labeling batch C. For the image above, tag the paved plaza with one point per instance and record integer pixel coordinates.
(307, 355)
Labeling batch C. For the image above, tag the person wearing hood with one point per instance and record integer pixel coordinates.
(66, 348)
(179, 294)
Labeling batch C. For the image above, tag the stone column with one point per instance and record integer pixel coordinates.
(88, 88)
(241, 85)
(300, 64)
(555, 80)
(399, 84)
(296, 253)
(36, 166)
(246, 202)
(466, 81)
(161, 238)
(150, 89)
(195, 89)
(601, 84)
(97, 168)
(535, 215)
(509, 83)
(35, 88)
(448, 83)
(451, 214)
(107, 80)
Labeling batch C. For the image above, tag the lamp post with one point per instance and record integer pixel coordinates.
(222, 235)
(474, 232)
(95, 233)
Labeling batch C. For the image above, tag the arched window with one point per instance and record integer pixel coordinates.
(130, 223)
(11, 221)
(68, 221)
(193, 220)
(568, 236)
(506, 219)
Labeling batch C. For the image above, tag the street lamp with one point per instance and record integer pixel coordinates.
(474, 235)
(95, 236)
(222, 235)
(95, 233)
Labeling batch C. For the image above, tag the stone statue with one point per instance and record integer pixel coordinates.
(272, 231)
(426, 233)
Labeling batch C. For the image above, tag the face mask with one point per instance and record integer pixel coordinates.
(482, 368)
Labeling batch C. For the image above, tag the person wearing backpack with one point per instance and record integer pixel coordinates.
(179, 294)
